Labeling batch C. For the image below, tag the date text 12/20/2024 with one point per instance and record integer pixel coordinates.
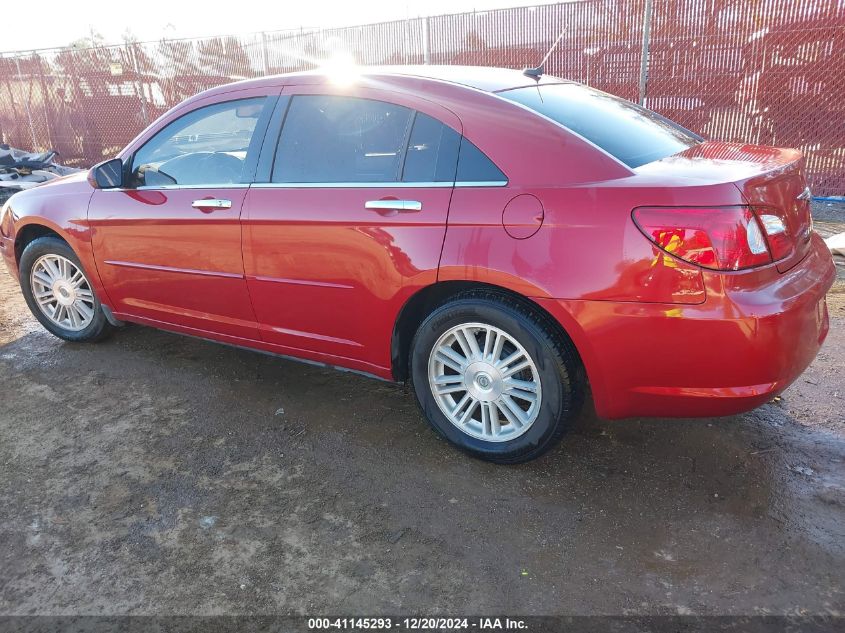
(417, 624)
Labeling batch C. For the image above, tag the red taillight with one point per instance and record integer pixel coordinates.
(720, 238)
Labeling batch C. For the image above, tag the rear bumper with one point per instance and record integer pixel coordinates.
(752, 337)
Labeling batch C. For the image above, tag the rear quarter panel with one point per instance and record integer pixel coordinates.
(587, 263)
(588, 247)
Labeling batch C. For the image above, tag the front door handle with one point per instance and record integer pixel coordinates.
(211, 203)
(387, 206)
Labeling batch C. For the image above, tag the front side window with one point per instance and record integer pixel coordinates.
(626, 131)
(332, 139)
(207, 146)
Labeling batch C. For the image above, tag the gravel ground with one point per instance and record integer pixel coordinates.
(156, 474)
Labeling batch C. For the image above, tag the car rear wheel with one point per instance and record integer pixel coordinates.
(496, 378)
(59, 293)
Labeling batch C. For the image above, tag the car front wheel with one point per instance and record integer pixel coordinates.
(496, 378)
(59, 293)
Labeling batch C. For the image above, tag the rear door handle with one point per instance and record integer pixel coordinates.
(402, 206)
(212, 204)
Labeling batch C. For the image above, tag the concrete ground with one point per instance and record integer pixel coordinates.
(156, 474)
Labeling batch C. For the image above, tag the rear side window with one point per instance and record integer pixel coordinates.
(207, 146)
(331, 139)
(630, 133)
(474, 166)
(432, 152)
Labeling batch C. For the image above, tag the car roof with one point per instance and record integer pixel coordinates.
(483, 78)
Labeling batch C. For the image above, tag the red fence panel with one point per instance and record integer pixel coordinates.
(768, 71)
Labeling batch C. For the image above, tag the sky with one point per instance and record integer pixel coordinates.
(55, 23)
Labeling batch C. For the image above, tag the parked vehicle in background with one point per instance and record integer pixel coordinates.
(499, 240)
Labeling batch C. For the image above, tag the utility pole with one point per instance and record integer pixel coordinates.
(644, 54)
(265, 55)
(426, 40)
(26, 103)
(139, 80)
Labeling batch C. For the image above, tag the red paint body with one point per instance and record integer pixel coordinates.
(309, 272)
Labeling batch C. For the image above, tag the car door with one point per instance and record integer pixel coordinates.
(168, 245)
(350, 221)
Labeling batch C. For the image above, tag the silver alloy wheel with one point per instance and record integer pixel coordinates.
(484, 382)
(62, 292)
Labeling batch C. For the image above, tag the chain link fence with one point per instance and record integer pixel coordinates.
(759, 71)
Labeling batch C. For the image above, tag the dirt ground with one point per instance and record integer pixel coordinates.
(157, 474)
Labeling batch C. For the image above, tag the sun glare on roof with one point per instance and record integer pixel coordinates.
(341, 69)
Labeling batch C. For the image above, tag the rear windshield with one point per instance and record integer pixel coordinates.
(631, 134)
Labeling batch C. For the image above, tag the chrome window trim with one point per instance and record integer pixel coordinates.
(377, 185)
(321, 185)
(233, 185)
(347, 185)
(482, 183)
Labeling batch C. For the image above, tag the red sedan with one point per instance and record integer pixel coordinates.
(499, 240)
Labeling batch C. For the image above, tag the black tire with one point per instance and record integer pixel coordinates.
(560, 370)
(99, 326)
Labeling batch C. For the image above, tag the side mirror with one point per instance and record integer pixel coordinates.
(107, 175)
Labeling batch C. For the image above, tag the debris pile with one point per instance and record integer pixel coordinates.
(21, 170)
